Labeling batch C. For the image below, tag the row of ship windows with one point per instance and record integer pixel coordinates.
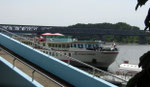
(72, 45)
(57, 54)
(68, 45)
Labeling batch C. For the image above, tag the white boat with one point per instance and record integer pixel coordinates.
(91, 52)
(130, 68)
(125, 71)
(127, 68)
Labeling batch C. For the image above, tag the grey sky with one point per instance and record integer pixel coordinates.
(69, 12)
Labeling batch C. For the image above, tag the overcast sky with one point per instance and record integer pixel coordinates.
(69, 12)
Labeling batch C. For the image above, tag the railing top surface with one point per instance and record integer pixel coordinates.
(19, 72)
(31, 67)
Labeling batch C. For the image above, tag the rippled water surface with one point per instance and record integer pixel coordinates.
(130, 53)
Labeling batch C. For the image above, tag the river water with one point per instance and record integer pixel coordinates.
(131, 53)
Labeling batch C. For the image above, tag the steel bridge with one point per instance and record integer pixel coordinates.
(69, 30)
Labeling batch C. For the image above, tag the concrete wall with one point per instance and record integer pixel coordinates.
(13, 77)
(66, 72)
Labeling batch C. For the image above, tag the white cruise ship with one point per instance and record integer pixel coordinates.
(91, 52)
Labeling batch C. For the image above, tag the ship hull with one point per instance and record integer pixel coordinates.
(100, 59)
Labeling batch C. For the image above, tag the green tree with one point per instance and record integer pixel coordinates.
(147, 19)
(148, 39)
(142, 78)
(109, 38)
(119, 25)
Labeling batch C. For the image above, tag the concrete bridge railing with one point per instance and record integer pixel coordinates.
(65, 71)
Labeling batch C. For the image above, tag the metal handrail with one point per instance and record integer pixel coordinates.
(94, 68)
(34, 69)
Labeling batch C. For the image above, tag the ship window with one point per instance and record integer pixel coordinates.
(49, 45)
(67, 45)
(69, 54)
(74, 45)
(71, 45)
(43, 44)
(43, 51)
(49, 53)
(56, 54)
(96, 45)
(89, 45)
(81, 45)
(56, 45)
(52, 53)
(63, 45)
(59, 45)
(64, 53)
(52, 45)
(46, 52)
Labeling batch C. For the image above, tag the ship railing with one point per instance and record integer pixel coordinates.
(96, 72)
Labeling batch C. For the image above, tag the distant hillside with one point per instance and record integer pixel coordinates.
(119, 25)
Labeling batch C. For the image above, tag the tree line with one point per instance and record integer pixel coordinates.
(119, 25)
(109, 38)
